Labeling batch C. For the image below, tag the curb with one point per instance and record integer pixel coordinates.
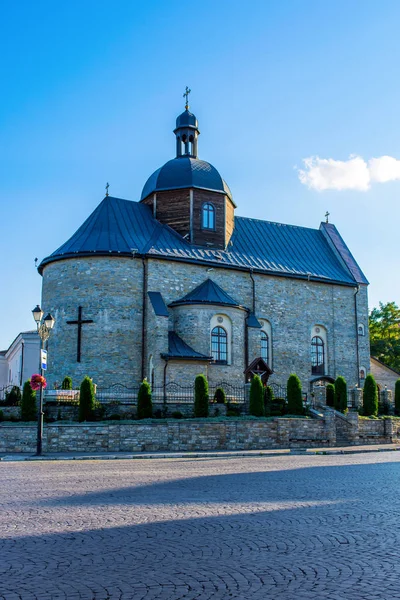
(199, 455)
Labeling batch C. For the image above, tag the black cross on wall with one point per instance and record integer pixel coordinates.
(79, 322)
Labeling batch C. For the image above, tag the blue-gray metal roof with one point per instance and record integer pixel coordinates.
(158, 304)
(120, 227)
(185, 172)
(178, 349)
(207, 292)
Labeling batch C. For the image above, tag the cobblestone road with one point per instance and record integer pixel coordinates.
(286, 527)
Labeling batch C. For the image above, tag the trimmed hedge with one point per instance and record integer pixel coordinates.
(256, 406)
(145, 404)
(67, 383)
(201, 396)
(330, 395)
(370, 397)
(340, 394)
(28, 403)
(220, 396)
(86, 400)
(294, 396)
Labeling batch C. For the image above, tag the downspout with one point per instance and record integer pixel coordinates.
(246, 333)
(21, 377)
(144, 293)
(165, 387)
(357, 343)
(253, 291)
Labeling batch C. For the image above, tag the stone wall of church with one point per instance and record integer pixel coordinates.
(292, 307)
(109, 289)
(110, 293)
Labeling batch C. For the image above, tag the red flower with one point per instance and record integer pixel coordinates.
(37, 381)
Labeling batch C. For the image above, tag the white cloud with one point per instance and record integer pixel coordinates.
(383, 169)
(353, 174)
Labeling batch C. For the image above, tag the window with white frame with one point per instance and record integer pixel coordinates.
(319, 350)
(208, 216)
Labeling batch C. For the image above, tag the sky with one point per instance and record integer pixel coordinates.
(298, 108)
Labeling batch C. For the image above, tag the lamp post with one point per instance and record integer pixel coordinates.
(44, 326)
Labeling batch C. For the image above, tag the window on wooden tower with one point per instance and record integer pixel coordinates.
(317, 356)
(264, 346)
(208, 216)
(219, 345)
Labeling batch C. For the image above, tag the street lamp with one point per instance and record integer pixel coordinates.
(44, 326)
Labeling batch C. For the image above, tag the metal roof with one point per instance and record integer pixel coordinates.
(122, 227)
(207, 292)
(158, 304)
(179, 350)
(185, 172)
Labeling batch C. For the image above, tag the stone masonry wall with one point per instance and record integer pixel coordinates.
(167, 435)
(110, 291)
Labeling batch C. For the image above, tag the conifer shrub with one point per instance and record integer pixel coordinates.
(201, 396)
(67, 383)
(330, 395)
(13, 397)
(294, 395)
(220, 396)
(28, 403)
(256, 406)
(370, 397)
(340, 400)
(87, 401)
(145, 404)
(397, 398)
(268, 400)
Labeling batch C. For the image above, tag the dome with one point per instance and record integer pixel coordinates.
(186, 119)
(185, 172)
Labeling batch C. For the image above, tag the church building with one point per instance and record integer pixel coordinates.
(175, 284)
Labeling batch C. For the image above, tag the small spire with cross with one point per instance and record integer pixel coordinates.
(186, 95)
(107, 186)
(327, 217)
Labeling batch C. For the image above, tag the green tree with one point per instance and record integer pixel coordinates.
(145, 404)
(397, 398)
(201, 396)
(384, 331)
(340, 401)
(370, 397)
(13, 397)
(294, 396)
(67, 383)
(268, 399)
(86, 400)
(256, 404)
(220, 396)
(330, 395)
(28, 403)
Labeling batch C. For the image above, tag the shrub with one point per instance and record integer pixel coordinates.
(256, 406)
(201, 396)
(67, 383)
(278, 407)
(268, 400)
(1, 415)
(397, 398)
(294, 396)
(232, 411)
(28, 403)
(330, 395)
(370, 397)
(114, 417)
(86, 400)
(340, 400)
(13, 397)
(177, 414)
(220, 396)
(145, 405)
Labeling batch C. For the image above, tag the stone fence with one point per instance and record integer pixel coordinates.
(199, 434)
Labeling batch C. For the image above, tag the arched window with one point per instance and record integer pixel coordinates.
(317, 356)
(264, 346)
(208, 216)
(219, 345)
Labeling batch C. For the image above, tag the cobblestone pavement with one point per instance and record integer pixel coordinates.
(286, 527)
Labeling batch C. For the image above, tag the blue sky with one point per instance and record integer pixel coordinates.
(91, 90)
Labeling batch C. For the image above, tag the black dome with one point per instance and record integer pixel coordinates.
(186, 119)
(185, 172)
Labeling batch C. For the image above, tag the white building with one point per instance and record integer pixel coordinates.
(20, 360)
